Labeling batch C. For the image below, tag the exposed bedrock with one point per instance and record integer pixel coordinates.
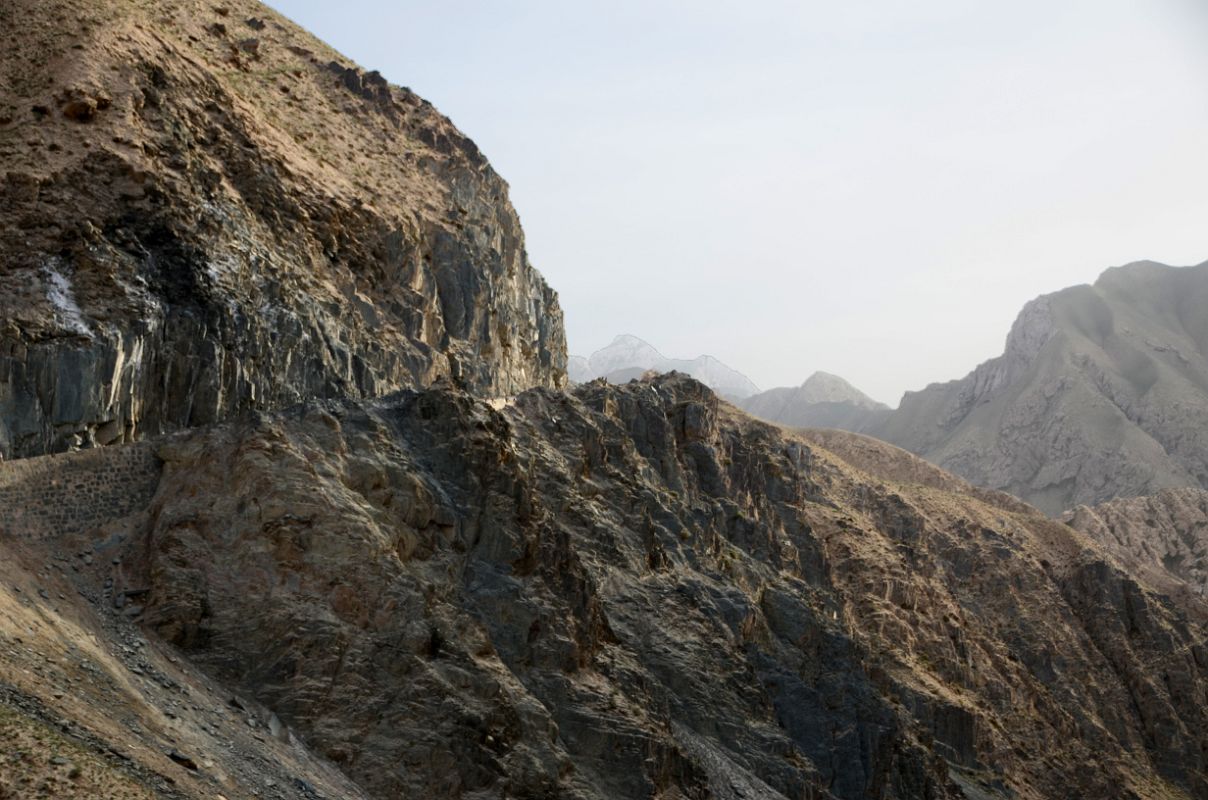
(218, 237)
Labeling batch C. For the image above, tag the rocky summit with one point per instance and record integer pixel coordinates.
(205, 210)
(1102, 392)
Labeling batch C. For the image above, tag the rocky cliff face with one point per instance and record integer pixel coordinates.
(822, 401)
(627, 592)
(635, 592)
(1165, 533)
(1102, 392)
(204, 210)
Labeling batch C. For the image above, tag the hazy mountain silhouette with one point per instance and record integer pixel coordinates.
(822, 401)
(1101, 392)
(628, 357)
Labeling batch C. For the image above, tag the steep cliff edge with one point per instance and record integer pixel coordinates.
(618, 592)
(1101, 392)
(205, 210)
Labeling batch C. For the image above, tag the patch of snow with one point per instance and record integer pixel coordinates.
(625, 352)
(216, 212)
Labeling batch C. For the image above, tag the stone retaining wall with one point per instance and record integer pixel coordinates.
(74, 492)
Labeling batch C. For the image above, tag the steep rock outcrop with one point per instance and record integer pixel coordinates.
(1102, 392)
(636, 591)
(623, 592)
(204, 210)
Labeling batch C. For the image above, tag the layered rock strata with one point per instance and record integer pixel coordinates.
(204, 210)
(1165, 532)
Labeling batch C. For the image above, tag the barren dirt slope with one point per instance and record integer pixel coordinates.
(92, 708)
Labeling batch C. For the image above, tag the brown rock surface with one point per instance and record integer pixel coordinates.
(638, 592)
(196, 221)
(91, 707)
(623, 592)
(1165, 533)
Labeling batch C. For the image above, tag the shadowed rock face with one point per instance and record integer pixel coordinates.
(205, 210)
(637, 591)
(1102, 392)
(621, 592)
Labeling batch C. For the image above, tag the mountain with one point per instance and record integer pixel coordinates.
(578, 370)
(1102, 392)
(822, 401)
(628, 357)
(204, 210)
(622, 592)
(294, 503)
(625, 352)
(1165, 533)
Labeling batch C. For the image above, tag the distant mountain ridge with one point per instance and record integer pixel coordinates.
(1101, 392)
(628, 356)
(822, 401)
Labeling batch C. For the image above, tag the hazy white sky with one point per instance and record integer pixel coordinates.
(869, 187)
